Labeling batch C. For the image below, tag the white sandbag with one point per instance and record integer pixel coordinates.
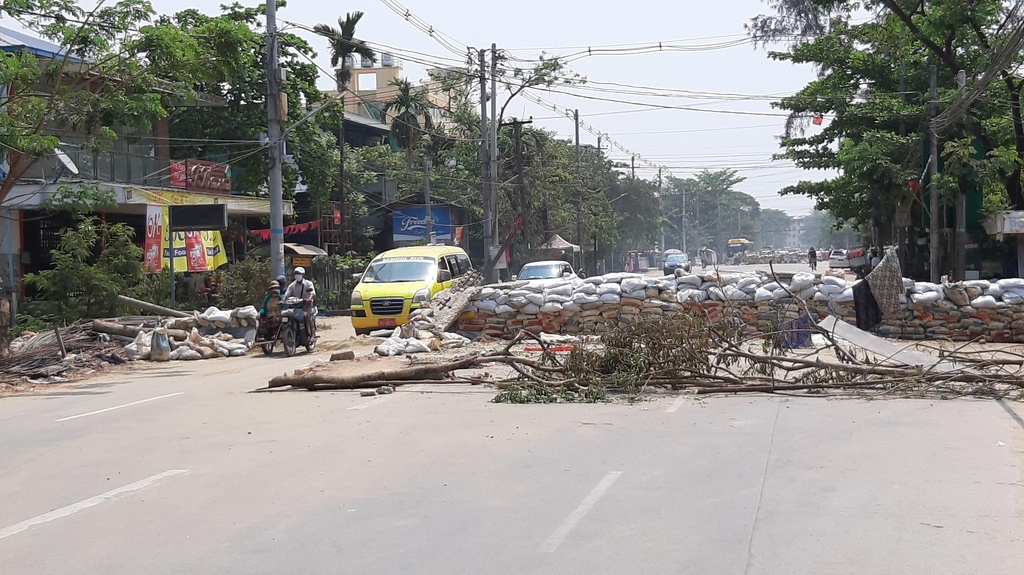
(666, 285)
(586, 288)
(583, 298)
(536, 298)
(565, 289)
(247, 312)
(1008, 283)
(818, 296)
(502, 310)
(801, 281)
(571, 307)
(806, 293)
(609, 288)
(843, 296)
(985, 301)
(633, 284)
(1015, 290)
(924, 287)
(185, 353)
(516, 302)
(694, 295)
(708, 285)
(833, 281)
(771, 286)
(902, 297)
(690, 280)
(1012, 298)
(134, 353)
(557, 298)
(980, 284)
(520, 293)
(732, 293)
(487, 305)
(487, 293)
(531, 309)
(994, 290)
(610, 297)
(830, 289)
(594, 280)
(551, 307)
(215, 315)
(638, 294)
(762, 295)
(501, 299)
(746, 281)
(617, 277)
(778, 294)
(926, 297)
(716, 294)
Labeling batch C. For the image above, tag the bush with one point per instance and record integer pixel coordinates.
(245, 283)
(83, 283)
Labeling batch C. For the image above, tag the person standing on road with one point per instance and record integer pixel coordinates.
(812, 258)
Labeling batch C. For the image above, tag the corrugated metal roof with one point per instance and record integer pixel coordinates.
(13, 41)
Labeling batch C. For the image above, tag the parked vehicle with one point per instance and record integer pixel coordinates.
(674, 261)
(838, 259)
(543, 270)
(401, 280)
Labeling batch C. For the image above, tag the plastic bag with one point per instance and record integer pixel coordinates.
(161, 348)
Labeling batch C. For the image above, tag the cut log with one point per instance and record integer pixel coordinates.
(131, 330)
(157, 309)
(366, 380)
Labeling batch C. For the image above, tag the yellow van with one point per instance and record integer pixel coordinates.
(401, 280)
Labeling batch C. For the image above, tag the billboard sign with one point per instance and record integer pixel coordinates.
(201, 176)
(410, 223)
(194, 251)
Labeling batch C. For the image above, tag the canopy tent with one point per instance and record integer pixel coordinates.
(557, 244)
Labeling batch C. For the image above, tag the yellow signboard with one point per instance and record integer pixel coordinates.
(193, 251)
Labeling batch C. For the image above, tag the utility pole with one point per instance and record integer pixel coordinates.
(579, 191)
(682, 220)
(960, 233)
(485, 171)
(632, 164)
(494, 139)
(426, 200)
(663, 225)
(933, 184)
(274, 116)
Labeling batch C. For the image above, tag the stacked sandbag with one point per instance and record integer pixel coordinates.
(755, 300)
(213, 333)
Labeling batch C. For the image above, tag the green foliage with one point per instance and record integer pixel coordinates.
(32, 323)
(94, 262)
(245, 283)
(715, 211)
(79, 200)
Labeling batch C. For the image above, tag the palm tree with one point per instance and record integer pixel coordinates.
(343, 44)
(405, 108)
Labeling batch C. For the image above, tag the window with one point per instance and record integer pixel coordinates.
(464, 264)
(453, 265)
(366, 82)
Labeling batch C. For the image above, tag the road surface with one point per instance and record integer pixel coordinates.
(177, 468)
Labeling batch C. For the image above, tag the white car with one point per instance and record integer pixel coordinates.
(545, 270)
(838, 259)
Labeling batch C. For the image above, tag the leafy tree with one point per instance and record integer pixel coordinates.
(102, 79)
(774, 225)
(344, 45)
(405, 108)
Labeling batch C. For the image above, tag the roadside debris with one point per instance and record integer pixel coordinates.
(212, 333)
(419, 335)
(55, 356)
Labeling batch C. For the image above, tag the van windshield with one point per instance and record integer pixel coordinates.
(399, 271)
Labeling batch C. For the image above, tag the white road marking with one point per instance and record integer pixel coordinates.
(674, 407)
(87, 503)
(574, 518)
(371, 402)
(119, 406)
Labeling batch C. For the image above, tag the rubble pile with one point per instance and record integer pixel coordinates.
(960, 312)
(420, 334)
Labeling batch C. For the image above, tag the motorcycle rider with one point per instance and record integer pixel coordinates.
(303, 289)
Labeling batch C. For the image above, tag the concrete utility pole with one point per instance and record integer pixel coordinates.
(683, 220)
(579, 191)
(426, 200)
(494, 140)
(485, 158)
(933, 185)
(960, 235)
(632, 165)
(274, 116)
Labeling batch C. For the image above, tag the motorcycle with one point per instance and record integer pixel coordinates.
(292, 330)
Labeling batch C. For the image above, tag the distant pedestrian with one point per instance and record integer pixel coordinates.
(812, 258)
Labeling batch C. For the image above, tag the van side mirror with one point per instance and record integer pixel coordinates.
(566, 275)
(444, 276)
(514, 277)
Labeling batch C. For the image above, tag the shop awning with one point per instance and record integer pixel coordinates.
(557, 244)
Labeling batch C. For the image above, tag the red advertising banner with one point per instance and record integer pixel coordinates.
(201, 176)
(152, 260)
(196, 251)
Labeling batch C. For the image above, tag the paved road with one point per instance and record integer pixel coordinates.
(177, 469)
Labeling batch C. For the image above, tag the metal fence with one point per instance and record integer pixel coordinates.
(335, 281)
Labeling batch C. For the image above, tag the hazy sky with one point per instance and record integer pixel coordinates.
(684, 141)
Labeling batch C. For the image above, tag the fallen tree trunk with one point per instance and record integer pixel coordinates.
(157, 309)
(131, 331)
(324, 381)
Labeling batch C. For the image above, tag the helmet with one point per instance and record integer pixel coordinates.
(281, 280)
(274, 285)
(300, 270)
